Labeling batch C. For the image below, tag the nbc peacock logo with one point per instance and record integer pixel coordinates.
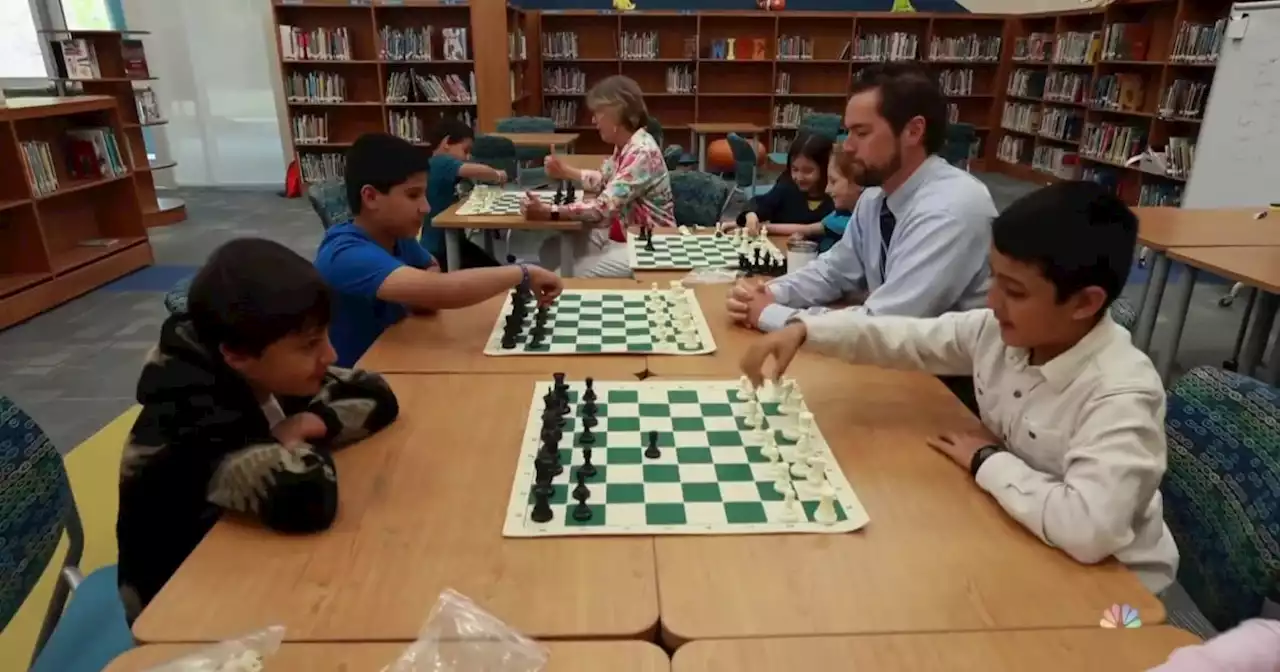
(1120, 616)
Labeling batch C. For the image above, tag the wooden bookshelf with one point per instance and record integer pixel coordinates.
(86, 233)
(115, 80)
(494, 79)
(1141, 54)
(747, 88)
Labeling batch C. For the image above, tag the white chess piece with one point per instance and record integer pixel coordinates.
(770, 448)
(785, 390)
(793, 431)
(825, 514)
(768, 391)
(817, 475)
(803, 445)
(751, 418)
(800, 468)
(790, 509)
(745, 387)
(782, 481)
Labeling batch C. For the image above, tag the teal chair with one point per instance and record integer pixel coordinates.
(960, 138)
(527, 125)
(819, 123)
(329, 200)
(84, 625)
(495, 152)
(699, 197)
(1222, 492)
(175, 300)
(744, 167)
(1124, 313)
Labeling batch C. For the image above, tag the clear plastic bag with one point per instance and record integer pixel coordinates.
(459, 636)
(710, 276)
(243, 654)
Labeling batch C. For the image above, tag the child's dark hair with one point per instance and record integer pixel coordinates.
(813, 146)
(381, 161)
(253, 292)
(448, 127)
(1078, 233)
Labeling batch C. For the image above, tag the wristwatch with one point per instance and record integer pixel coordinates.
(555, 214)
(980, 456)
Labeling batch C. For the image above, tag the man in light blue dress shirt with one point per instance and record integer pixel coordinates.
(918, 240)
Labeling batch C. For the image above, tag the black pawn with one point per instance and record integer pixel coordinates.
(587, 437)
(558, 199)
(652, 451)
(582, 512)
(587, 468)
(582, 492)
(570, 196)
(541, 507)
(542, 483)
(648, 244)
(590, 394)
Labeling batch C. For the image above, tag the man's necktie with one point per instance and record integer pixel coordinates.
(887, 223)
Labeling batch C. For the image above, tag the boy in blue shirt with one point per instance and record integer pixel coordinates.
(450, 143)
(375, 266)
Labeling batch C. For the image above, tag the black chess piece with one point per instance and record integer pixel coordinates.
(561, 387)
(590, 394)
(558, 199)
(542, 482)
(587, 468)
(648, 244)
(582, 512)
(652, 451)
(589, 409)
(541, 508)
(508, 342)
(571, 195)
(582, 492)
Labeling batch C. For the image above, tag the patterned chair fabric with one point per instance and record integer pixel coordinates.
(175, 300)
(822, 123)
(1222, 491)
(699, 197)
(526, 125)
(329, 200)
(35, 506)
(956, 149)
(495, 152)
(1123, 313)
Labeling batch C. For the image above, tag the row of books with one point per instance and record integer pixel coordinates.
(1020, 117)
(315, 87)
(1184, 98)
(405, 44)
(1180, 154)
(563, 112)
(148, 106)
(1026, 83)
(41, 172)
(410, 87)
(638, 46)
(886, 47)
(560, 44)
(78, 59)
(564, 81)
(789, 115)
(1078, 47)
(1014, 149)
(1123, 91)
(1061, 123)
(1034, 48)
(317, 44)
(974, 47)
(782, 85)
(517, 45)
(88, 153)
(407, 125)
(322, 167)
(1125, 41)
(1103, 175)
(1111, 142)
(780, 144)
(1198, 42)
(310, 129)
(956, 82)
(681, 79)
(792, 48)
(1160, 193)
(1060, 162)
(1066, 87)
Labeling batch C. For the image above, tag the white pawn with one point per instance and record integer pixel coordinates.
(800, 468)
(825, 514)
(803, 446)
(747, 395)
(817, 475)
(800, 428)
(790, 509)
(745, 387)
(770, 448)
(782, 481)
(752, 420)
(768, 391)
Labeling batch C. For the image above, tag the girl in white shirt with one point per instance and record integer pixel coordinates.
(1074, 444)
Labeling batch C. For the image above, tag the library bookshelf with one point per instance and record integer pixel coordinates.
(1086, 90)
(359, 49)
(58, 243)
(120, 71)
(778, 67)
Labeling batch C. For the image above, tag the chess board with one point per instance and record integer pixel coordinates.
(603, 321)
(710, 478)
(676, 252)
(492, 201)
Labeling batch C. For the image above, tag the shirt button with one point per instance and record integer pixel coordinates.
(1017, 394)
(1031, 433)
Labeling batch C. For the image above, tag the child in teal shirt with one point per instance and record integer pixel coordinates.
(844, 195)
(449, 142)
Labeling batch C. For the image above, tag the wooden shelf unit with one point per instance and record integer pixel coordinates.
(746, 89)
(57, 246)
(365, 108)
(1148, 59)
(115, 81)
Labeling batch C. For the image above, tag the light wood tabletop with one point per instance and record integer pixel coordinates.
(452, 341)
(547, 140)
(1068, 650)
(422, 508)
(583, 161)
(450, 219)
(1161, 228)
(707, 127)
(1254, 266)
(939, 554)
(622, 656)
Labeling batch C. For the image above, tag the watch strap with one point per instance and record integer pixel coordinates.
(980, 456)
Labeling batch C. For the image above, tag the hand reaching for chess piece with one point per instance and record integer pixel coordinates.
(532, 208)
(546, 285)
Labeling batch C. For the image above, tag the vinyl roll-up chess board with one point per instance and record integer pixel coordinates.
(675, 252)
(711, 473)
(495, 201)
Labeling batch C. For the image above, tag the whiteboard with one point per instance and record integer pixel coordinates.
(1237, 159)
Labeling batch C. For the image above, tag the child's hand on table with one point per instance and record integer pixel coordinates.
(300, 428)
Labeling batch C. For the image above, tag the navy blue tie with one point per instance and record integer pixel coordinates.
(887, 223)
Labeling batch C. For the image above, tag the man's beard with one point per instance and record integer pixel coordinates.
(876, 176)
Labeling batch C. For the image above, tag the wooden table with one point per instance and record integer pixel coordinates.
(452, 341)
(368, 657)
(548, 140)
(939, 554)
(1161, 228)
(584, 161)
(455, 227)
(1257, 267)
(702, 130)
(422, 509)
(1011, 651)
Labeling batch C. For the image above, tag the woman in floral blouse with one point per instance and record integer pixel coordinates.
(633, 186)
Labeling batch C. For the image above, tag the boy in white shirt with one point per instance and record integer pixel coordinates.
(1075, 447)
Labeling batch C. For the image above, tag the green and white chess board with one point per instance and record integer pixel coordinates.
(675, 252)
(613, 321)
(496, 201)
(712, 476)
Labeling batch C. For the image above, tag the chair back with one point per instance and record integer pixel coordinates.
(671, 156)
(329, 200)
(655, 129)
(495, 152)
(1222, 491)
(744, 161)
(175, 300)
(822, 123)
(526, 125)
(36, 507)
(960, 138)
(699, 197)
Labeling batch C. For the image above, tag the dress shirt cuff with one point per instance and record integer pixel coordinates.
(1003, 468)
(774, 317)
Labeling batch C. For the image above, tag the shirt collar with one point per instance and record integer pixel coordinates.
(898, 199)
(1064, 368)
